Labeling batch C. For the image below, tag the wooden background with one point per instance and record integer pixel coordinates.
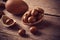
(49, 28)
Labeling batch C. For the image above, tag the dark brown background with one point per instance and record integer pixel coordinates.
(49, 27)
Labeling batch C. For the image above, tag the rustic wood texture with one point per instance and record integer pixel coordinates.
(49, 28)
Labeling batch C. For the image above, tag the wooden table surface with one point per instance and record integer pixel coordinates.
(49, 28)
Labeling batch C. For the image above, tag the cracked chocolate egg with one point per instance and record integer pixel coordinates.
(35, 16)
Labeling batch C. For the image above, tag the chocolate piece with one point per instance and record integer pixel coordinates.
(22, 32)
(7, 21)
(4, 18)
(2, 6)
(33, 29)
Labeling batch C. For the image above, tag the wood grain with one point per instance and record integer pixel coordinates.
(49, 28)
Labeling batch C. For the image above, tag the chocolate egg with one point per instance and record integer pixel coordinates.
(31, 19)
(34, 12)
(22, 32)
(16, 7)
(28, 14)
(25, 19)
(33, 29)
(40, 10)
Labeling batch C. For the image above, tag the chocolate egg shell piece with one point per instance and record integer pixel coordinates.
(40, 16)
(9, 21)
(5, 19)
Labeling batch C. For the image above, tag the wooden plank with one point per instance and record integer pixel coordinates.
(50, 6)
(49, 28)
